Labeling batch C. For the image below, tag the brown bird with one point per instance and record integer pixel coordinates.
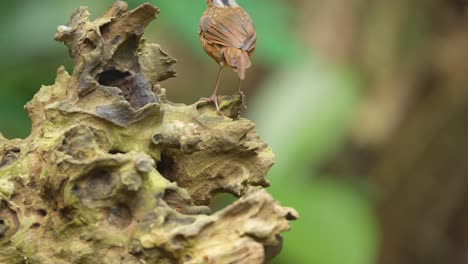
(228, 35)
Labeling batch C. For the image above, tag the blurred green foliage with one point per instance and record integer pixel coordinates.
(303, 110)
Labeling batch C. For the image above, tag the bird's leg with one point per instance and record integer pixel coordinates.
(241, 93)
(214, 97)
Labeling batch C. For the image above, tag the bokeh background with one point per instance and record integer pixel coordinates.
(365, 104)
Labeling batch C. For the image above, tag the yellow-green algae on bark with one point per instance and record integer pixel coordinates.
(113, 172)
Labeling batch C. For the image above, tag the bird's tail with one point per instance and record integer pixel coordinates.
(238, 60)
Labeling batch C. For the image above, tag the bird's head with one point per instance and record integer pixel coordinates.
(222, 3)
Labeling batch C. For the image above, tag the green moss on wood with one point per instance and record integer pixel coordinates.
(113, 172)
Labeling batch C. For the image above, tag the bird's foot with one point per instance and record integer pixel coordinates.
(243, 98)
(212, 99)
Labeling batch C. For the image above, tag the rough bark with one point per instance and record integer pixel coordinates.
(113, 172)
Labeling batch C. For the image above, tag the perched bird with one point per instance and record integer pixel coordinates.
(228, 35)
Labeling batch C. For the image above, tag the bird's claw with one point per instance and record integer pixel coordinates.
(213, 99)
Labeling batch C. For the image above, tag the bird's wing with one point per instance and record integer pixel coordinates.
(230, 27)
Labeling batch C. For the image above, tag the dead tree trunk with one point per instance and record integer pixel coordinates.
(113, 172)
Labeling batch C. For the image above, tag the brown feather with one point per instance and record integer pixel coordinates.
(228, 36)
(238, 60)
